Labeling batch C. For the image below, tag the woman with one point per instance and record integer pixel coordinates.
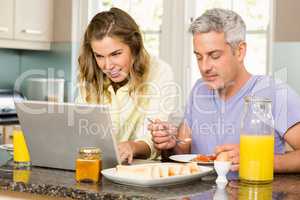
(116, 69)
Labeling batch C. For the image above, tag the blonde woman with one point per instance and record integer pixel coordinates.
(115, 69)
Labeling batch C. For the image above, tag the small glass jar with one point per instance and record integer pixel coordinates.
(88, 165)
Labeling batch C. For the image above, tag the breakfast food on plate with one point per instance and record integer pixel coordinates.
(164, 171)
(223, 156)
(175, 170)
(154, 171)
(193, 167)
(134, 171)
(204, 158)
(185, 170)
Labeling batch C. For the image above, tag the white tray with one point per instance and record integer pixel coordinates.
(111, 174)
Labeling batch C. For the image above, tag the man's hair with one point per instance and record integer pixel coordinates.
(221, 20)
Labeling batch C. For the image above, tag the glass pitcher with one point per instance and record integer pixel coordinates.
(257, 141)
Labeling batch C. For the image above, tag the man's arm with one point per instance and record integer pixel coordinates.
(289, 162)
(183, 133)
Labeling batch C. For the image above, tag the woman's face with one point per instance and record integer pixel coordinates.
(113, 57)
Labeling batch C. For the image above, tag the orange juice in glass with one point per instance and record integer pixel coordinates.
(21, 153)
(257, 141)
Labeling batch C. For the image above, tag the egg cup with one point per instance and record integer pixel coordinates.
(222, 168)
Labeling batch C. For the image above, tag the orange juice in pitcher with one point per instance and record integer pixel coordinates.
(256, 157)
(257, 141)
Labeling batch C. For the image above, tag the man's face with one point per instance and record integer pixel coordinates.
(218, 63)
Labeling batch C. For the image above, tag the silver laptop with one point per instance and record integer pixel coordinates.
(55, 132)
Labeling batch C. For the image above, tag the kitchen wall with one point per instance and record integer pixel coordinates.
(9, 67)
(286, 46)
(14, 63)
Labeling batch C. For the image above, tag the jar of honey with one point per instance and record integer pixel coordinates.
(88, 165)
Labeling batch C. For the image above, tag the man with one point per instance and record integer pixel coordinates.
(214, 110)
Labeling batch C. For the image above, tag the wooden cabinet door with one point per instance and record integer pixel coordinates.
(33, 20)
(6, 18)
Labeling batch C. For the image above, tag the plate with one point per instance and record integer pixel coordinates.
(7, 147)
(187, 158)
(111, 174)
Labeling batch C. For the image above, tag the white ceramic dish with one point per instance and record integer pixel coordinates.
(111, 174)
(188, 158)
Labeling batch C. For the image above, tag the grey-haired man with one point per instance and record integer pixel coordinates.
(214, 110)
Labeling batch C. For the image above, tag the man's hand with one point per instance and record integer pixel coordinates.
(163, 135)
(233, 152)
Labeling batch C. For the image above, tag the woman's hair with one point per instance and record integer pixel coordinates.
(221, 20)
(116, 24)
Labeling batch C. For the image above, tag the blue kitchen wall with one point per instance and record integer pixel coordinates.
(9, 67)
(14, 63)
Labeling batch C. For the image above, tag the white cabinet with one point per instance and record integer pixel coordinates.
(26, 24)
(32, 20)
(6, 19)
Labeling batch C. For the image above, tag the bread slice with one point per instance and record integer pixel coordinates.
(185, 170)
(175, 169)
(164, 170)
(193, 167)
(155, 171)
(138, 172)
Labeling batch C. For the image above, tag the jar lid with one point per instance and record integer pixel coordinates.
(89, 150)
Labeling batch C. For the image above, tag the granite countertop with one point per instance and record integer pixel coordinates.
(60, 183)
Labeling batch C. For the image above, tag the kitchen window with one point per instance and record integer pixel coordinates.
(147, 14)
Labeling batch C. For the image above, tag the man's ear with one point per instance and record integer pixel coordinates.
(241, 51)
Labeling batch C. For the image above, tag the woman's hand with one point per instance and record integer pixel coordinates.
(130, 149)
(126, 151)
